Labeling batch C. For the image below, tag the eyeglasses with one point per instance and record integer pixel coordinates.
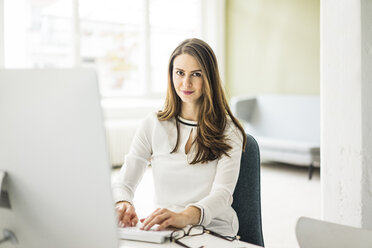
(196, 230)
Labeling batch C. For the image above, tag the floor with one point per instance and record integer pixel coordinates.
(286, 195)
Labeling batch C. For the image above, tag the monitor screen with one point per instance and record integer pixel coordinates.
(56, 192)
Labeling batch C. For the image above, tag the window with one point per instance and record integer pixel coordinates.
(37, 34)
(128, 42)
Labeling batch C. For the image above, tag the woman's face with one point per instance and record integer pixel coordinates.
(187, 78)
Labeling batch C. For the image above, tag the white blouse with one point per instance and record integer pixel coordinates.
(178, 184)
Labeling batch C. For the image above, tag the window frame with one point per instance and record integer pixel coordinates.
(212, 31)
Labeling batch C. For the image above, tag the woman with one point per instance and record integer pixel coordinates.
(194, 146)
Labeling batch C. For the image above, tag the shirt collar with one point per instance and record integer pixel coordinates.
(187, 122)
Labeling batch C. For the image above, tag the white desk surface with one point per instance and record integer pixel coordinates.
(209, 241)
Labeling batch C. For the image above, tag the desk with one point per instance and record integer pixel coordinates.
(209, 241)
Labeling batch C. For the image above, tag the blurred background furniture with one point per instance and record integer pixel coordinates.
(247, 195)
(286, 127)
(312, 233)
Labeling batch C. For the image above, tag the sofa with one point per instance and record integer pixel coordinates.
(286, 127)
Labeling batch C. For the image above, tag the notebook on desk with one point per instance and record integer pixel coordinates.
(135, 233)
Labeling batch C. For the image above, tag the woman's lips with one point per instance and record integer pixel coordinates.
(187, 92)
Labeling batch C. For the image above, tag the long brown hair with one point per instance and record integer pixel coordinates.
(214, 109)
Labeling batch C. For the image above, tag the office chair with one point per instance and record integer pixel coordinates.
(312, 233)
(247, 195)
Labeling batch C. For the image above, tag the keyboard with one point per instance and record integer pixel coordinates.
(135, 233)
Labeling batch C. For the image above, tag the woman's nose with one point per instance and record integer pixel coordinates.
(186, 82)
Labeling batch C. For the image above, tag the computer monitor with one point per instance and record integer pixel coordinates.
(53, 150)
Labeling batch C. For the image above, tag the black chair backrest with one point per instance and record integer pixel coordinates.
(247, 195)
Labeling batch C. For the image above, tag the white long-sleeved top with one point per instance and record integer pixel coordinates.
(178, 184)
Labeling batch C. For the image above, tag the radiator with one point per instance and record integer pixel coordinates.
(119, 134)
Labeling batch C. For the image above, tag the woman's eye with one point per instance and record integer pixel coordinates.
(196, 74)
(180, 73)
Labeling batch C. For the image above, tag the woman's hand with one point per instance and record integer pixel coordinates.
(166, 218)
(126, 214)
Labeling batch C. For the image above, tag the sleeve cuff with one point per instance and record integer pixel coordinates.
(121, 195)
(202, 213)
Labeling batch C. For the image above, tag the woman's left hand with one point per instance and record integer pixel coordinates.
(166, 218)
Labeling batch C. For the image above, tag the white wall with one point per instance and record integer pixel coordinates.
(1, 33)
(346, 109)
(366, 22)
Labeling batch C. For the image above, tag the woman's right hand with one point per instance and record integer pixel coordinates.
(126, 214)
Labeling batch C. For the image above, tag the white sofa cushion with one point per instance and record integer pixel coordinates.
(288, 145)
